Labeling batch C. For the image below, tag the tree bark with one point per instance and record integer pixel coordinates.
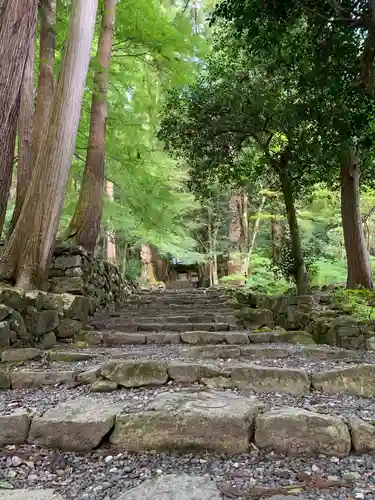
(25, 134)
(300, 273)
(357, 256)
(256, 229)
(28, 252)
(85, 224)
(276, 236)
(17, 30)
(111, 235)
(46, 81)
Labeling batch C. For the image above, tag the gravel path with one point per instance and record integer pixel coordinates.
(38, 401)
(103, 476)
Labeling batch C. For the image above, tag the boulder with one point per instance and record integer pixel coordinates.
(174, 487)
(17, 324)
(5, 334)
(5, 311)
(47, 340)
(256, 318)
(41, 322)
(363, 435)
(77, 425)
(135, 373)
(43, 300)
(67, 284)
(295, 431)
(217, 421)
(75, 306)
(20, 355)
(67, 261)
(270, 379)
(68, 328)
(14, 298)
(358, 380)
(103, 386)
(14, 428)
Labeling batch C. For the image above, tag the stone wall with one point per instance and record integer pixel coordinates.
(78, 285)
(326, 321)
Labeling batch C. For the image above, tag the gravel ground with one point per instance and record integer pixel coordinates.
(103, 476)
(182, 352)
(38, 401)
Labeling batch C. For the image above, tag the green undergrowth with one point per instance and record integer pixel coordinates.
(358, 303)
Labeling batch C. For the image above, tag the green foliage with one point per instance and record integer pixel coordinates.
(359, 303)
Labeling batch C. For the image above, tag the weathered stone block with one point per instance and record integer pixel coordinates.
(4, 333)
(17, 324)
(26, 379)
(77, 425)
(67, 261)
(135, 373)
(68, 328)
(5, 311)
(47, 340)
(19, 355)
(72, 284)
(363, 435)
(14, 428)
(75, 307)
(218, 421)
(358, 380)
(40, 322)
(14, 298)
(190, 372)
(270, 379)
(296, 431)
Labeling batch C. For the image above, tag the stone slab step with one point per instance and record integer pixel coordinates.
(29, 495)
(169, 318)
(217, 421)
(117, 373)
(173, 327)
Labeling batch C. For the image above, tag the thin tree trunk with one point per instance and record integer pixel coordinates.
(46, 81)
(16, 33)
(27, 255)
(256, 228)
(25, 134)
(359, 269)
(111, 236)
(85, 224)
(300, 273)
(276, 236)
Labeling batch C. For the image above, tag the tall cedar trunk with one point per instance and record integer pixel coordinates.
(17, 30)
(85, 224)
(276, 236)
(46, 81)
(359, 270)
(111, 235)
(25, 134)
(28, 252)
(300, 273)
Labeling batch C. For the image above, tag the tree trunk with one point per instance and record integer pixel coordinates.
(276, 236)
(25, 134)
(46, 81)
(27, 255)
(300, 273)
(85, 224)
(359, 269)
(16, 33)
(111, 235)
(256, 229)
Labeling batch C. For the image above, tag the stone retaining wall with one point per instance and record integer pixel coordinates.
(324, 320)
(78, 286)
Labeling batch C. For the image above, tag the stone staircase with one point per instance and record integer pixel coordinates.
(169, 398)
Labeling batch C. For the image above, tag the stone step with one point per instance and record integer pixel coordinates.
(168, 318)
(111, 374)
(172, 327)
(222, 422)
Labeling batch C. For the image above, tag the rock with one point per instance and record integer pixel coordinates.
(217, 351)
(217, 382)
(296, 431)
(257, 318)
(5, 311)
(174, 487)
(135, 373)
(4, 334)
(122, 338)
(236, 338)
(75, 306)
(4, 380)
(19, 355)
(189, 372)
(69, 356)
(29, 495)
(47, 340)
(77, 425)
(14, 428)
(358, 380)
(17, 324)
(40, 322)
(67, 261)
(163, 338)
(68, 328)
(26, 379)
(14, 298)
(103, 386)
(43, 300)
(202, 337)
(303, 338)
(218, 421)
(363, 435)
(88, 376)
(270, 379)
(72, 284)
